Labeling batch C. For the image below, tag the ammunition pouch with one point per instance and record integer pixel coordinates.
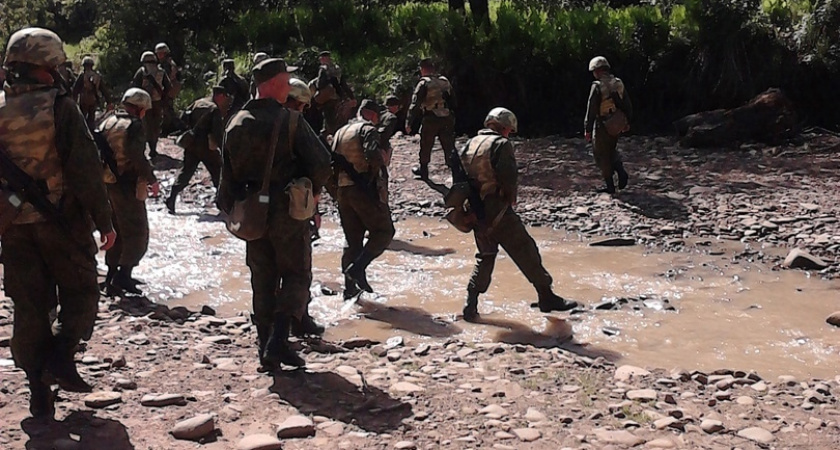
(10, 207)
(301, 200)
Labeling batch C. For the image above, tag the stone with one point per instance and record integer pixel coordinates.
(331, 428)
(622, 437)
(759, 386)
(405, 445)
(625, 373)
(834, 319)
(800, 259)
(645, 395)
(259, 442)
(532, 415)
(221, 340)
(161, 400)
(711, 426)
(527, 434)
(745, 401)
(406, 387)
(613, 242)
(661, 443)
(195, 428)
(666, 422)
(494, 410)
(102, 399)
(5, 341)
(757, 434)
(138, 339)
(422, 349)
(296, 427)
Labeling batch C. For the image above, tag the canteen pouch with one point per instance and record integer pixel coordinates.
(616, 123)
(301, 200)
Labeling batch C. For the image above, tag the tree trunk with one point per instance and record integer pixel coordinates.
(457, 5)
(480, 12)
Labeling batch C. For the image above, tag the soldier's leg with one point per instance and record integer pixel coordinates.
(618, 167)
(133, 224)
(354, 235)
(485, 261)
(187, 171)
(603, 149)
(213, 163)
(260, 257)
(428, 132)
(330, 112)
(376, 219)
(112, 255)
(152, 122)
(446, 134)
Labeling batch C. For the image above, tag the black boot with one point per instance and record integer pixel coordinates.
(307, 327)
(41, 397)
(421, 171)
(356, 270)
(123, 280)
(170, 202)
(153, 150)
(62, 367)
(108, 287)
(609, 186)
(351, 289)
(549, 301)
(623, 178)
(263, 332)
(471, 307)
(277, 348)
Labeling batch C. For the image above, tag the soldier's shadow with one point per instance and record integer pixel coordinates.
(331, 395)
(92, 433)
(654, 206)
(408, 318)
(403, 246)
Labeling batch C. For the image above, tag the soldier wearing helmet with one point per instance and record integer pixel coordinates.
(608, 114)
(332, 95)
(432, 106)
(49, 258)
(89, 91)
(151, 78)
(235, 84)
(68, 76)
(388, 122)
(362, 209)
(206, 119)
(173, 72)
(258, 58)
(488, 165)
(128, 175)
(300, 97)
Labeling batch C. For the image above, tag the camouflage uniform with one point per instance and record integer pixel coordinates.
(359, 143)
(127, 189)
(238, 87)
(207, 124)
(152, 79)
(47, 264)
(331, 89)
(90, 91)
(434, 101)
(599, 106)
(280, 262)
(67, 75)
(173, 73)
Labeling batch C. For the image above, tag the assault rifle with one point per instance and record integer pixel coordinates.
(30, 190)
(106, 152)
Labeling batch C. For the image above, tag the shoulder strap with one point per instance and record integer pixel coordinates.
(272, 147)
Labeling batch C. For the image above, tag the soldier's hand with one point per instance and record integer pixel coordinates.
(154, 189)
(107, 240)
(587, 136)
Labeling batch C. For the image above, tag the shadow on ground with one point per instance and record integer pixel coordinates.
(403, 246)
(409, 318)
(91, 433)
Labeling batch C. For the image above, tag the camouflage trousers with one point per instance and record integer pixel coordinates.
(131, 224)
(211, 159)
(361, 214)
(44, 269)
(442, 128)
(511, 234)
(605, 152)
(152, 123)
(89, 111)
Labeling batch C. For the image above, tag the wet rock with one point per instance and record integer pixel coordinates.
(102, 399)
(405, 445)
(834, 319)
(800, 259)
(645, 395)
(5, 341)
(422, 349)
(527, 434)
(625, 373)
(711, 426)
(208, 311)
(296, 427)
(354, 343)
(161, 400)
(394, 342)
(259, 442)
(622, 437)
(613, 242)
(195, 428)
(757, 434)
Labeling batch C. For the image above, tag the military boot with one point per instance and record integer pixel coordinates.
(549, 301)
(170, 202)
(124, 281)
(356, 270)
(421, 171)
(471, 307)
(41, 397)
(62, 367)
(153, 150)
(351, 289)
(609, 186)
(623, 178)
(277, 348)
(107, 286)
(306, 326)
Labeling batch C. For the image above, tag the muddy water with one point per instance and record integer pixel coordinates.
(727, 315)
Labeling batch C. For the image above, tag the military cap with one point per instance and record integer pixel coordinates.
(37, 46)
(269, 68)
(260, 57)
(370, 105)
(392, 100)
(220, 90)
(325, 53)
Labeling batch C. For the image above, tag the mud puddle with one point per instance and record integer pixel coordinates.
(689, 310)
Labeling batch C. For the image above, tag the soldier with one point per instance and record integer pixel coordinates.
(281, 260)
(173, 72)
(608, 101)
(206, 118)
(233, 83)
(300, 97)
(388, 123)
(488, 165)
(432, 106)
(258, 58)
(67, 75)
(128, 176)
(49, 254)
(362, 197)
(331, 89)
(152, 79)
(89, 91)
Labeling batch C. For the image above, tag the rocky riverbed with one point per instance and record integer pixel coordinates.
(172, 378)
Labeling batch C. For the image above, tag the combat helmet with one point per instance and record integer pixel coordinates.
(162, 47)
(36, 46)
(598, 62)
(260, 57)
(300, 91)
(137, 97)
(503, 117)
(87, 61)
(148, 57)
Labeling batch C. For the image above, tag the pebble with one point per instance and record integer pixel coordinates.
(757, 434)
(527, 434)
(195, 428)
(642, 394)
(102, 399)
(296, 427)
(161, 400)
(495, 411)
(622, 437)
(406, 387)
(532, 415)
(221, 340)
(834, 319)
(138, 339)
(745, 401)
(405, 445)
(259, 442)
(711, 426)
(661, 443)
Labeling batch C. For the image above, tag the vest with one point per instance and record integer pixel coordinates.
(115, 129)
(90, 93)
(156, 91)
(348, 143)
(27, 131)
(476, 161)
(607, 85)
(171, 70)
(436, 87)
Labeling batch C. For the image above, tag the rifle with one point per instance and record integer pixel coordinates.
(30, 190)
(106, 151)
(369, 187)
